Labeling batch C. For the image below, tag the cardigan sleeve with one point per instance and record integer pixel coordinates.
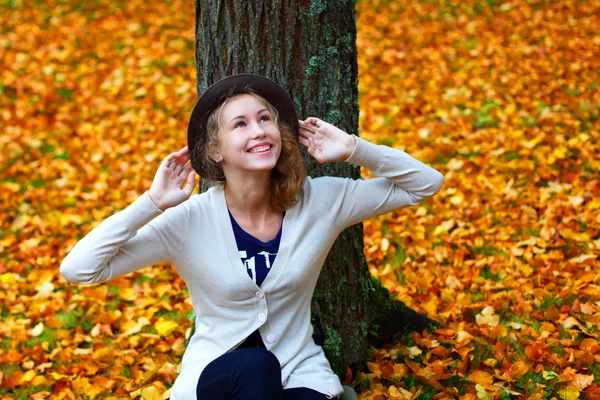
(401, 181)
(138, 236)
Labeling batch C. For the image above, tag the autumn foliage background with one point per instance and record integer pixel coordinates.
(502, 97)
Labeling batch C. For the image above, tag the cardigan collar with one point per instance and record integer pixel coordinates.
(239, 270)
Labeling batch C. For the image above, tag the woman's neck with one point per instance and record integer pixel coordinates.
(249, 196)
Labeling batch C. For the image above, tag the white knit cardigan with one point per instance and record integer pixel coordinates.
(196, 237)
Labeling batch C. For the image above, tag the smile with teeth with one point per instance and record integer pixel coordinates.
(260, 149)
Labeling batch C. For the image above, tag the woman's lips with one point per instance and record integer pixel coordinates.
(262, 148)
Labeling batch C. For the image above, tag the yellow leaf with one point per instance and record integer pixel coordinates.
(547, 326)
(570, 234)
(525, 269)
(103, 354)
(560, 152)
(13, 187)
(457, 199)
(550, 375)
(482, 394)
(593, 205)
(128, 294)
(94, 390)
(39, 381)
(8, 278)
(151, 393)
(163, 288)
(569, 392)
(438, 230)
(81, 385)
(28, 376)
(165, 326)
(58, 376)
(132, 327)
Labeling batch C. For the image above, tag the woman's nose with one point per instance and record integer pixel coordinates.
(257, 130)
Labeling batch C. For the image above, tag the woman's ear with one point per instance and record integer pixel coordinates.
(213, 154)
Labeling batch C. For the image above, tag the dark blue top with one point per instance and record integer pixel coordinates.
(257, 256)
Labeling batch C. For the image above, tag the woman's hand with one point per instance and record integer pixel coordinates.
(166, 191)
(325, 142)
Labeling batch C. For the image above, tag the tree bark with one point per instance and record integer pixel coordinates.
(309, 47)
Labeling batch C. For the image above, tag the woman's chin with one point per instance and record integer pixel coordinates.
(258, 167)
(263, 162)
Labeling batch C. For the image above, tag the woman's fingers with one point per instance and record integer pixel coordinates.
(314, 121)
(168, 160)
(186, 170)
(305, 133)
(181, 166)
(174, 159)
(303, 141)
(308, 126)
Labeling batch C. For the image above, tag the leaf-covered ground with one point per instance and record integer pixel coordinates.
(502, 97)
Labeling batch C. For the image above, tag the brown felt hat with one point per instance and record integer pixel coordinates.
(214, 96)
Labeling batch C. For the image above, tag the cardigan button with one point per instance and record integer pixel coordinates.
(270, 338)
(260, 294)
(262, 317)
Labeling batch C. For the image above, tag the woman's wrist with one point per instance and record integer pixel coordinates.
(351, 145)
(155, 201)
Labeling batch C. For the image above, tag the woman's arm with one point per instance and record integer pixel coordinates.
(149, 231)
(403, 180)
(136, 237)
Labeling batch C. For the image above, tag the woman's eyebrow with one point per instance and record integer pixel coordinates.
(243, 116)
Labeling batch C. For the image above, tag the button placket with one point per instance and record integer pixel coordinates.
(261, 317)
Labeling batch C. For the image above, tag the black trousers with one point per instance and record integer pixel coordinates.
(247, 373)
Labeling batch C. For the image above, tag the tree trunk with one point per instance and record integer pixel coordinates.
(309, 47)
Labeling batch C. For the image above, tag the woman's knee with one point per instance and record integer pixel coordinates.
(262, 360)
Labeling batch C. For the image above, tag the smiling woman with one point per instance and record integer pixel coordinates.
(251, 249)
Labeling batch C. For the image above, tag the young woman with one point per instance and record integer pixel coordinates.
(250, 249)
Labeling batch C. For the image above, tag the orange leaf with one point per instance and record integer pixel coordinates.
(481, 377)
(374, 368)
(592, 392)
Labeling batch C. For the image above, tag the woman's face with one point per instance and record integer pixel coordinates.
(250, 139)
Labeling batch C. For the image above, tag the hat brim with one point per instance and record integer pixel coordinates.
(216, 93)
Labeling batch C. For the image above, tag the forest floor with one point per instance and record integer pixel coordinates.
(502, 97)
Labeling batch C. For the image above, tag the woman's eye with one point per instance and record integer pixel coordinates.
(265, 117)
